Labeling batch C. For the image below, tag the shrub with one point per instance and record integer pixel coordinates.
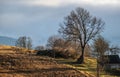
(57, 54)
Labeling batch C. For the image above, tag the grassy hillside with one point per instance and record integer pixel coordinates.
(20, 62)
(4, 49)
(14, 64)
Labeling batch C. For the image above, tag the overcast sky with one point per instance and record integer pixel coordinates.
(40, 19)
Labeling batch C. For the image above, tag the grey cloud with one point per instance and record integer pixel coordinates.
(40, 22)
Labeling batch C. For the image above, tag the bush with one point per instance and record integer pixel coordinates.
(57, 54)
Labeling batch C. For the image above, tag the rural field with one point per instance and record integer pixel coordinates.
(14, 64)
(27, 64)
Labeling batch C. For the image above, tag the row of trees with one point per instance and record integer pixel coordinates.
(67, 48)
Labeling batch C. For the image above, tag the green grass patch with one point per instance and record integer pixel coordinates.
(88, 66)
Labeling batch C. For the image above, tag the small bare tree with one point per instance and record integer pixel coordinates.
(25, 42)
(21, 42)
(82, 27)
(29, 43)
(51, 43)
(100, 46)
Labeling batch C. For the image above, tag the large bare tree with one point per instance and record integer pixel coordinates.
(82, 27)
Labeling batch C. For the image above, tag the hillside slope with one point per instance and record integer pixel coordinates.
(30, 65)
(20, 65)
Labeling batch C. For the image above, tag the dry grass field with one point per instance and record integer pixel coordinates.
(14, 64)
(20, 62)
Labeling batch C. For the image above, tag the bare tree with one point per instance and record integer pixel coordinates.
(25, 42)
(29, 43)
(82, 27)
(55, 41)
(100, 46)
(52, 43)
(21, 42)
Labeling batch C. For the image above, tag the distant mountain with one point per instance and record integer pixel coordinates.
(7, 41)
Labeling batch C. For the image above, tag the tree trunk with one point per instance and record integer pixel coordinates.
(81, 58)
(98, 70)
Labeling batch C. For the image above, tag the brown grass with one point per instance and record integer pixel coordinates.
(30, 65)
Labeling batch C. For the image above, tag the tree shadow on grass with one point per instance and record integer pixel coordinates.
(55, 72)
(37, 70)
